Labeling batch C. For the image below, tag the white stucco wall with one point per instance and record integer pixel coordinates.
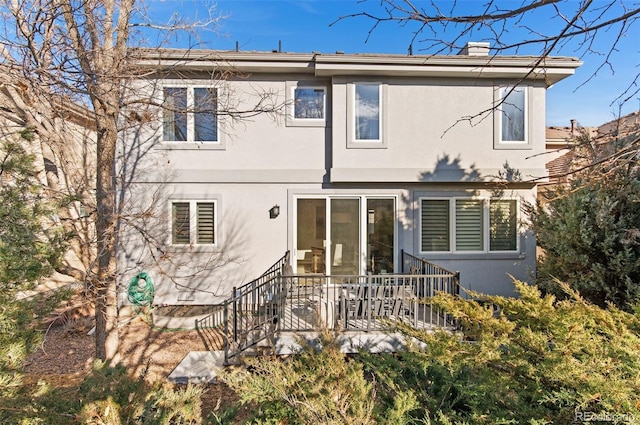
(263, 162)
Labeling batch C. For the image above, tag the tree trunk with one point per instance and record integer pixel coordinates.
(105, 281)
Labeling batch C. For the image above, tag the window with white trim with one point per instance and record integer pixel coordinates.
(468, 225)
(513, 115)
(367, 117)
(190, 114)
(503, 221)
(511, 118)
(309, 103)
(193, 222)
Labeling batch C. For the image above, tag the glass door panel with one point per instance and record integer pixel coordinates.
(311, 236)
(380, 235)
(345, 236)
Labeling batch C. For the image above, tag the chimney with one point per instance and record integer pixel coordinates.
(573, 126)
(475, 48)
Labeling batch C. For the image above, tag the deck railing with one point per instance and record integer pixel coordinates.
(278, 301)
(248, 315)
(361, 302)
(416, 265)
(236, 315)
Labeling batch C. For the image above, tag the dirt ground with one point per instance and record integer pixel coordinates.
(67, 354)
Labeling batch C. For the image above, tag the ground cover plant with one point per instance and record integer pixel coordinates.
(527, 360)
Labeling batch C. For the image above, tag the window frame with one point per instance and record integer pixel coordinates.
(193, 222)
(352, 141)
(190, 142)
(486, 225)
(363, 197)
(291, 120)
(498, 114)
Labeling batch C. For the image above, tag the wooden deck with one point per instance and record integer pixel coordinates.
(310, 313)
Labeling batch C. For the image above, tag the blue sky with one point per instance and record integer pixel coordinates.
(305, 26)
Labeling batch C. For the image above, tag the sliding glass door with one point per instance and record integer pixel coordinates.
(311, 235)
(380, 235)
(345, 235)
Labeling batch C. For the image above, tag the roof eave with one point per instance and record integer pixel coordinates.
(550, 70)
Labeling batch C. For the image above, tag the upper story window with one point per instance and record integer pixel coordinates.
(306, 104)
(366, 115)
(468, 225)
(193, 222)
(190, 114)
(366, 104)
(513, 114)
(512, 118)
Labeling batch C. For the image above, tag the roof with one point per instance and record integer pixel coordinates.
(622, 125)
(559, 133)
(550, 70)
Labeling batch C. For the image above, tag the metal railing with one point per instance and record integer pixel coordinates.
(252, 314)
(278, 301)
(248, 316)
(450, 281)
(361, 302)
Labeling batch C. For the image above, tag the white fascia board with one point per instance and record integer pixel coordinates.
(550, 75)
(552, 69)
(508, 67)
(196, 60)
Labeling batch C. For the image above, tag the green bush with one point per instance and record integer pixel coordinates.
(527, 360)
(108, 395)
(318, 385)
(591, 238)
(28, 252)
(538, 361)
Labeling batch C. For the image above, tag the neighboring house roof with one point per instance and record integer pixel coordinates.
(473, 61)
(559, 168)
(620, 126)
(560, 140)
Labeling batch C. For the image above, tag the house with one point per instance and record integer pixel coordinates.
(60, 135)
(560, 143)
(567, 152)
(344, 160)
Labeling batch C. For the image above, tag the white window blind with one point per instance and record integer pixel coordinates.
(193, 222)
(435, 225)
(181, 231)
(503, 225)
(469, 225)
(205, 223)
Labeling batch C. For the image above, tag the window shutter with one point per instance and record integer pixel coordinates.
(180, 223)
(469, 226)
(503, 225)
(435, 225)
(206, 223)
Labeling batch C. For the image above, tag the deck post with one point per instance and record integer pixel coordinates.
(368, 291)
(235, 315)
(225, 317)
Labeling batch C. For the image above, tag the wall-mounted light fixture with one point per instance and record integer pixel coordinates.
(274, 211)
